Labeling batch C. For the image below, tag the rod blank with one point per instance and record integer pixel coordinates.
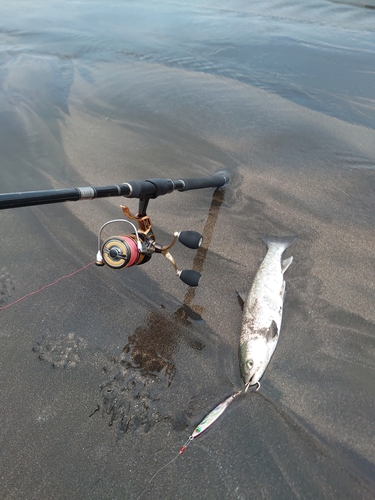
(151, 188)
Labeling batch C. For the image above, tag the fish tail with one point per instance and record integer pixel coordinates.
(281, 241)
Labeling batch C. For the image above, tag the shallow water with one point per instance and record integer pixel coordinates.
(105, 373)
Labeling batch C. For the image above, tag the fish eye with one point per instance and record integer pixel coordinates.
(249, 363)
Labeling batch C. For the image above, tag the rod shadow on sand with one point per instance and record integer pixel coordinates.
(146, 366)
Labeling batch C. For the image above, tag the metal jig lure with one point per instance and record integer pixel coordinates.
(208, 420)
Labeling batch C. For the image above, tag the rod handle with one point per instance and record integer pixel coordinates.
(219, 180)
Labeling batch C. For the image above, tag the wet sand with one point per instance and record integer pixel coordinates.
(105, 374)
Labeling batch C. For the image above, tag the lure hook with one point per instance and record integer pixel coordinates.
(249, 385)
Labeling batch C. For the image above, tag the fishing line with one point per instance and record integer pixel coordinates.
(208, 420)
(183, 448)
(48, 285)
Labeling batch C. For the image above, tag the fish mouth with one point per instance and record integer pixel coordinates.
(248, 377)
(253, 380)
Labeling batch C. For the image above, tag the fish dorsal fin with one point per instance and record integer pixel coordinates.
(273, 330)
(241, 298)
(282, 291)
(285, 264)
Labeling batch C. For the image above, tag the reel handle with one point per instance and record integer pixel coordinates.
(137, 248)
(190, 239)
(190, 277)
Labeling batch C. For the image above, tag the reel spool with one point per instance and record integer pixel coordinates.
(121, 251)
(137, 248)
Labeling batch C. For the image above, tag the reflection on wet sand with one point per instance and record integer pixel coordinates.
(187, 310)
(133, 395)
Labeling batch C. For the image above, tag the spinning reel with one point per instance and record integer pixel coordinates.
(137, 247)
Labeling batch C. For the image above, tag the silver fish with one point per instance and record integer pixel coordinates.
(262, 311)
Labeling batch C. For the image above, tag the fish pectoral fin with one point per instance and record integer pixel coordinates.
(241, 298)
(273, 330)
(285, 264)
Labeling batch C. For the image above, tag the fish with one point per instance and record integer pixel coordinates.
(262, 311)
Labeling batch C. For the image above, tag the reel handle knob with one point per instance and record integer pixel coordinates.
(190, 277)
(190, 239)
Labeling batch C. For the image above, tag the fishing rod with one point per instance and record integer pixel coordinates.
(138, 246)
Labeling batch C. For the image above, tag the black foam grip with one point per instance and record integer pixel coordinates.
(191, 239)
(190, 277)
(218, 180)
